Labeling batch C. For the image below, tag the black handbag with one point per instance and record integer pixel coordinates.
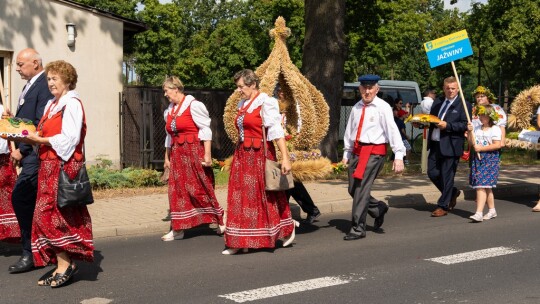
(74, 192)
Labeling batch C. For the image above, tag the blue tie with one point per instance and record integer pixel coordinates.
(443, 110)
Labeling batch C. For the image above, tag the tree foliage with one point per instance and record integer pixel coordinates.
(206, 41)
(508, 34)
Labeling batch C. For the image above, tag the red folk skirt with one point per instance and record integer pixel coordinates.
(9, 227)
(192, 200)
(255, 218)
(57, 230)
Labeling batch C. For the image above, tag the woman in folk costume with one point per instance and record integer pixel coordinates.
(60, 236)
(256, 218)
(9, 227)
(188, 143)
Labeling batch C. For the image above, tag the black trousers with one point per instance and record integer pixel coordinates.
(23, 199)
(441, 172)
(302, 197)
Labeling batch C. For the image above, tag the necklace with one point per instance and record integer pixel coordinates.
(178, 106)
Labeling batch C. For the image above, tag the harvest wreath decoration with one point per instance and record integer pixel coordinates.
(306, 110)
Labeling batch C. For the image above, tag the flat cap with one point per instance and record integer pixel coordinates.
(369, 79)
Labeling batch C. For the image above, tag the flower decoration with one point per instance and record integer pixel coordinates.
(339, 167)
(482, 110)
(484, 91)
(24, 132)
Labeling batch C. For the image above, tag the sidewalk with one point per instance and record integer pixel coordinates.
(146, 214)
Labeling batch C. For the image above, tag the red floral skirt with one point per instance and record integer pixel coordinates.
(57, 230)
(192, 200)
(9, 227)
(255, 218)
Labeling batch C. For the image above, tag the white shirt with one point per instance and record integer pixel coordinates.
(486, 137)
(436, 133)
(426, 104)
(4, 149)
(200, 116)
(378, 128)
(28, 85)
(269, 113)
(65, 142)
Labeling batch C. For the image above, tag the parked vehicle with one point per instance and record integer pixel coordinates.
(389, 90)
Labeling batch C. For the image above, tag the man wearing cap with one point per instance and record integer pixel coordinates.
(445, 145)
(369, 128)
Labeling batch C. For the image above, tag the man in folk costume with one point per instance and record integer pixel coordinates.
(369, 128)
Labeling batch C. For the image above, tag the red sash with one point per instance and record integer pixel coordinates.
(364, 151)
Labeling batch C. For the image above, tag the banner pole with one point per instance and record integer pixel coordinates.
(471, 134)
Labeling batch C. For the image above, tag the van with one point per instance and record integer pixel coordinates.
(389, 91)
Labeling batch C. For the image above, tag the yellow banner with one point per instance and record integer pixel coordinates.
(446, 40)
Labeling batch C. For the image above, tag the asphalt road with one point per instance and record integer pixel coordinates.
(393, 267)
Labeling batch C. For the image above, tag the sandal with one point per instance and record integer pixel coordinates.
(173, 235)
(47, 278)
(62, 278)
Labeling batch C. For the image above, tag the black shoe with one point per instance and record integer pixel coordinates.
(380, 219)
(453, 200)
(25, 263)
(353, 236)
(61, 279)
(311, 218)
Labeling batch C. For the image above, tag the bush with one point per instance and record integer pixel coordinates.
(103, 177)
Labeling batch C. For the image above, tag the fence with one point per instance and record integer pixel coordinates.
(143, 127)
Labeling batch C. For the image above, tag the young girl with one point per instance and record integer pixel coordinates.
(485, 171)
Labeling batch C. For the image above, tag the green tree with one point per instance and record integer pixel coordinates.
(124, 8)
(508, 35)
(157, 49)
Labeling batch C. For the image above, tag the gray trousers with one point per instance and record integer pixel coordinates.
(360, 191)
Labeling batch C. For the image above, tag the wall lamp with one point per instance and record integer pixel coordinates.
(71, 31)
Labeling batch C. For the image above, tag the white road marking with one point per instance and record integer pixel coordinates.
(96, 301)
(474, 255)
(283, 289)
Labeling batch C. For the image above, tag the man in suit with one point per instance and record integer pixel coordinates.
(31, 105)
(445, 145)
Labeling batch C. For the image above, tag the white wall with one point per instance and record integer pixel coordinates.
(97, 56)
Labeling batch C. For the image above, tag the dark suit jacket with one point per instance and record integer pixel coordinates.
(453, 137)
(34, 104)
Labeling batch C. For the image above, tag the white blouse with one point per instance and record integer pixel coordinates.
(200, 116)
(269, 113)
(486, 137)
(65, 142)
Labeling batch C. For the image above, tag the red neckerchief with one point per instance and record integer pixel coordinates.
(242, 110)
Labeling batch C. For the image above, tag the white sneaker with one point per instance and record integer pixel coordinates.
(490, 215)
(477, 217)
